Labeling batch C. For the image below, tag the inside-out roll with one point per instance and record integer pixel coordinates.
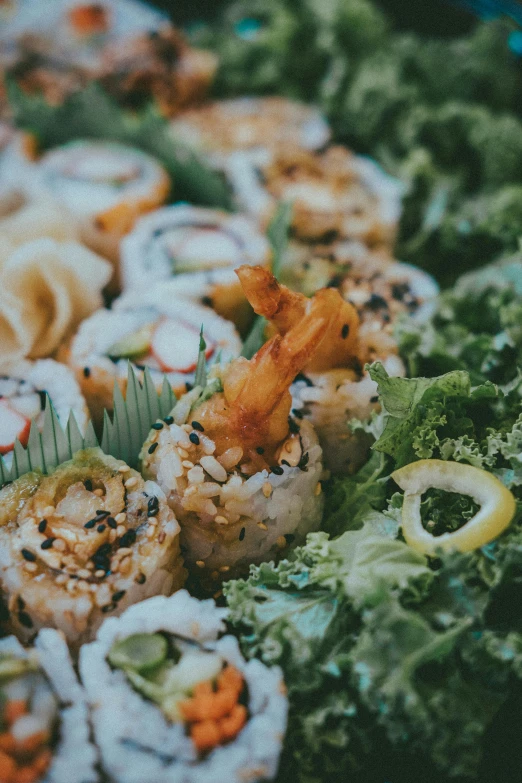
(171, 701)
(242, 475)
(182, 238)
(152, 330)
(105, 186)
(269, 123)
(43, 713)
(88, 540)
(333, 388)
(335, 194)
(23, 395)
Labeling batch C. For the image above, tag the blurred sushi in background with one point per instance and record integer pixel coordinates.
(85, 541)
(23, 400)
(157, 332)
(172, 701)
(43, 714)
(181, 239)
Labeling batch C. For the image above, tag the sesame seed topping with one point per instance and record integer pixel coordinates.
(153, 506)
(152, 448)
(267, 489)
(31, 567)
(220, 520)
(141, 579)
(99, 573)
(318, 489)
(42, 525)
(224, 569)
(98, 492)
(344, 331)
(60, 544)
(169, 420)
(120, 530)
(197, 426)
(47, 544)
(298, 413)
(260, 450)
(86, 372)
(88, 485)
(101, 528)
(25, 619)
(118, 596)
(277, 470)
(28, 555)
(123, 469)
(158, 425)
(108, 608)
(242, 533)
(128, 538)
(200, 563)
(121, 517)
(131, 482)
(48, 511)
(112, 523)
(90, 524)
(194, 438)
(262, 526)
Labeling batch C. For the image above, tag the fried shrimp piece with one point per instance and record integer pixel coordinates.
(252, 411)
(286, 310)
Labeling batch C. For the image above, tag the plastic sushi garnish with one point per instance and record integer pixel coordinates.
(497, 504)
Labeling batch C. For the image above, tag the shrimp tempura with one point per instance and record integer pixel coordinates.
(285, 309)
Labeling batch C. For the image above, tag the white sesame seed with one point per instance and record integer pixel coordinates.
(98, 492)
(182, 453)
(48, 511)
(123, 469)
(120, 530)
(61, 579)
(200, 563)
(83, 586)
(262, 526)
(121, 517)
(98, 574)
(187, 464)
(267, 489)
(221, 520)
(131, 482)
(31, 567)
(124, 550)
(59, 545)
(83, 573)
(125, 565)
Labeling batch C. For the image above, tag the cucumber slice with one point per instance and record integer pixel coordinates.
(14, 667)
(134, 345)
(140, 652)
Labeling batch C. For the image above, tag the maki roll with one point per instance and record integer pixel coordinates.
(152, 330)
(335, 194)
(255, 124)
(333, 389)
(242, 475)
(181, 238)
(105, 186)
(381, 289)
(87, 540)
(44, 723)
(171, 701)
(23, 395)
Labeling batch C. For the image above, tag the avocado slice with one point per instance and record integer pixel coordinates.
(139, 652)
(133, 345)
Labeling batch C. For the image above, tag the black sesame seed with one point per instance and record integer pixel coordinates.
(377, 302)
(297, 413)
(293, 426)
(47, 544)
(153, 506)
(101, 528)
(375, 398)
(108, 608)
(152, 448)
(158, 425)
(197, 426)
(25, 620)
(28, 555)
(289, 537)
(141, 579)
(118, 596)
(101, 514)
(260, 450)
(277, 470)
(88, 485)
(103, 550)
(194, 438)
(86, 372)
(42, 525)
(21, 603)
(207, 301)
(169, 419)
(128, 538)
(112, 523)
(303, 462)
(242, 533)
(301, 377)
(284, 462)
(90, 524)
(344, 331)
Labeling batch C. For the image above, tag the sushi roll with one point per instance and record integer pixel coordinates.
(381, 289)
(45, 734)
(333, 389)
(251, 124)
(172, 701)
(335, 194)
(105, 186)
(150, 329)
(88, 540)
(182, 238)
(23, 395)
(242, 475)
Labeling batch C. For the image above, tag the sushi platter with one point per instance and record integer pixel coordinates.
(260, 393)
